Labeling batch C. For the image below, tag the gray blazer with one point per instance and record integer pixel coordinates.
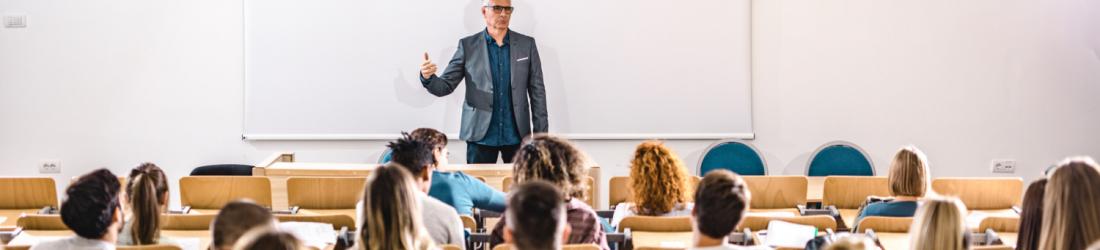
(471, 62)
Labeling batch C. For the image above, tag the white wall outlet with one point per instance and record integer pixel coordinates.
(50, 167)
(15, 21)
(1003, 166)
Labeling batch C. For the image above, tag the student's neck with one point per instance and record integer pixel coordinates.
(906, 198)
(110, 237)
(498, 34)
(706, 241)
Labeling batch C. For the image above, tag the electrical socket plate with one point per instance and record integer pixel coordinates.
(15, 21)
(50, 167)
(1003, 166)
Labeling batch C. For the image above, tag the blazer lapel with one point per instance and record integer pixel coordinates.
(485, 64)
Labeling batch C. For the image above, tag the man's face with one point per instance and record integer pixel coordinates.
(498, 13)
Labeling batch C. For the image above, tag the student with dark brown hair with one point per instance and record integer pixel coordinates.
(266, 238)
(721, 200)
(455, 188)
(235, 219)
(536, 217)
(91, 210)
(1031, 216)
(147, 188)
(556, 161)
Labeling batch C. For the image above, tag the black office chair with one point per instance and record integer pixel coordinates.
(223, 169)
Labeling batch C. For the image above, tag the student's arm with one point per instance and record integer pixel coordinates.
(482, 195)
(445, 84)
(457, 236)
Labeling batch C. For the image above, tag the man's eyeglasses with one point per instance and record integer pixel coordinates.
(501, 9)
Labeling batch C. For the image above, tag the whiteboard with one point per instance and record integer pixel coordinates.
(640, 69)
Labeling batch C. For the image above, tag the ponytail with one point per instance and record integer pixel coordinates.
(147, 189)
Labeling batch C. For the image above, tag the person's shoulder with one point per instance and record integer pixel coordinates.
(437, 207)
(520, 36)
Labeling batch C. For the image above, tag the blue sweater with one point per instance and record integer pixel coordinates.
(890, 209)
(465, 193)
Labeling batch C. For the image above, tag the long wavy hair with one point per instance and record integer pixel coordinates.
(552, 159)
(1071, 219)
(391, 212)
(659, 179)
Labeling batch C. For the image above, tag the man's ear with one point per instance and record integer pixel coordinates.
(508, 236)
(565, 233)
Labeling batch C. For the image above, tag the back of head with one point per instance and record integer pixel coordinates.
(721, 200)
(414, 155)
(148, 194)
(909, 173)
(267, 238)
(852, 242)
(1071, 218)
(235, 219)
(536, 216)
(659, 179)
(940, 224)
(433, 137)
(391, 211)
(551, 159)
(91, 204)
(1031, 216)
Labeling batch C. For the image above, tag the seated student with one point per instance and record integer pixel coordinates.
(1071, 206)
(236, 218)
(557, 161)
(147, 188)
(940, 224)
(91, 210)
(659, 183)
(908, 183)
(457, 189)
(441, 220)
(1031, 216)
(389, 220)
(536, 217)
(267, 238)
(721, 200)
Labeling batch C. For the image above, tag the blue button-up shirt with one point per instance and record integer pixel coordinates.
(502, 126)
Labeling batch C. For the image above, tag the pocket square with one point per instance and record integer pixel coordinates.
(523, 59)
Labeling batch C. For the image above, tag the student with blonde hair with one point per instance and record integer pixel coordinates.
(908, 183)
(556, 161)
(940, 224)
(391, 212)
(1071, 205)
(147, 190)
(659, 182)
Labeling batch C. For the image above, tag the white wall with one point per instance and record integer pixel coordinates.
(115, 83)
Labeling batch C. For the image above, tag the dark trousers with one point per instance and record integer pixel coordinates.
(488, 154)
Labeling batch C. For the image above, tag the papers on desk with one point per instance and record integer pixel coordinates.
(313, 234)
(786, 234)
(771, 214)
(974, 219)
(188, 243)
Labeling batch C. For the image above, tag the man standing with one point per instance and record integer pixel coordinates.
(505, 95)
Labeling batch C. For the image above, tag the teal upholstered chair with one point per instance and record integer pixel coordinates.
(734, 155)
(840, 158)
